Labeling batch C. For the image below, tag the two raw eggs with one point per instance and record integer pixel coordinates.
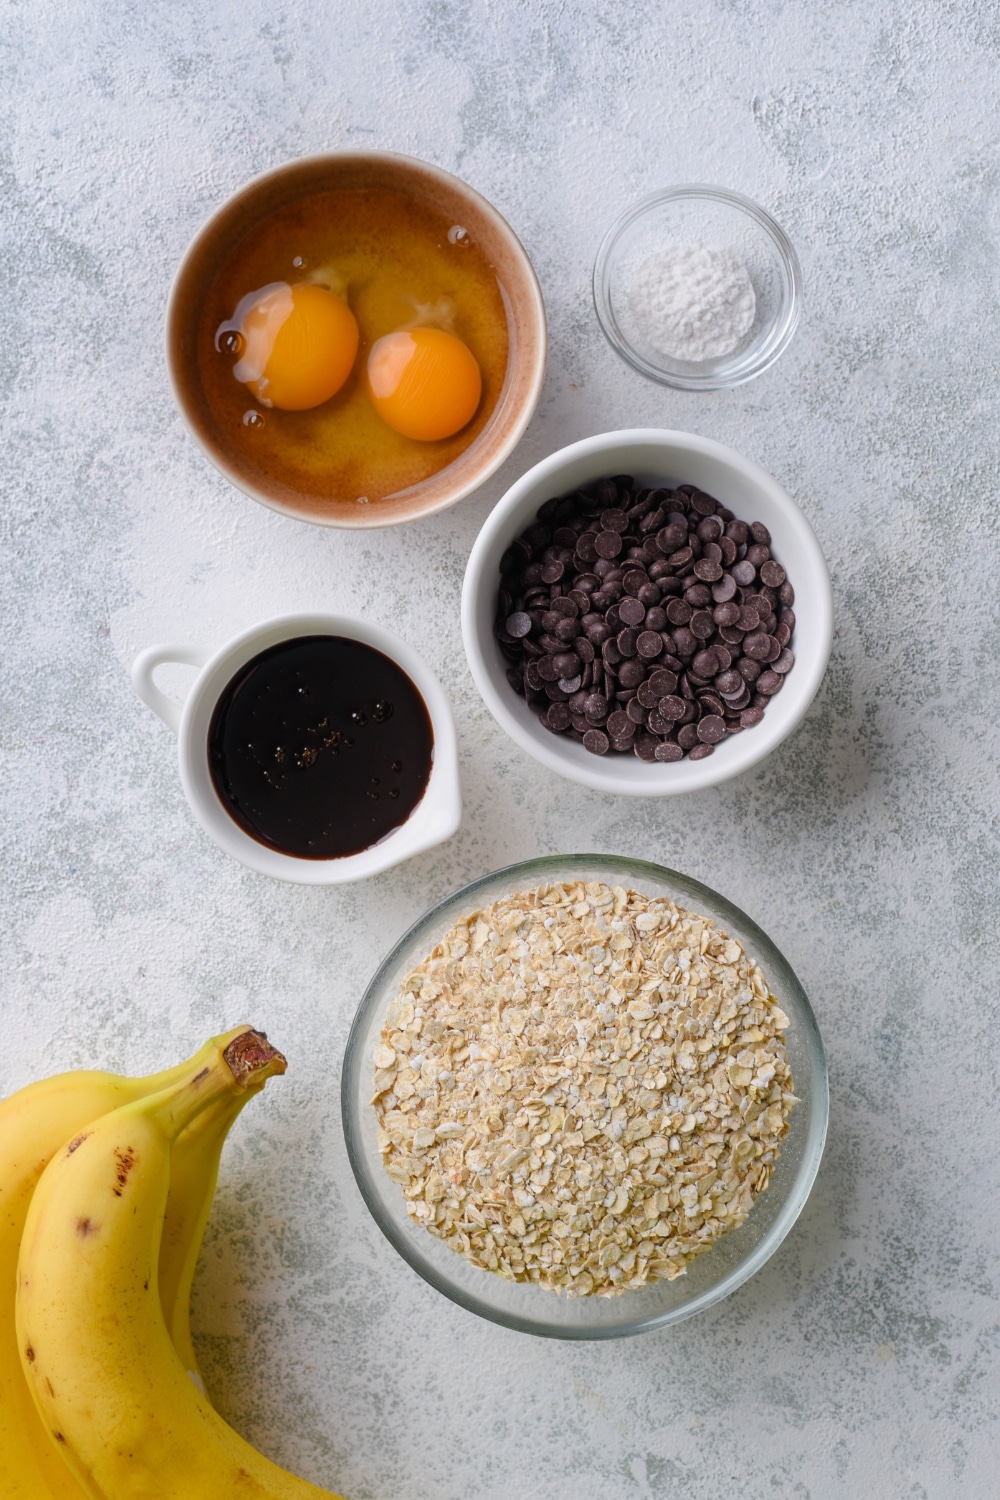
(297, 345)
(354, 343)
(356, 339)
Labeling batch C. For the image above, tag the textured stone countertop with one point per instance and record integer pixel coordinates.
(863, 1360)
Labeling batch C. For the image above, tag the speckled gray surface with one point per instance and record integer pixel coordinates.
(863, 1360)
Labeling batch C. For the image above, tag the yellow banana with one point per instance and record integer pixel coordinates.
(194, 1171)
(34, 1124)
(91, 1333)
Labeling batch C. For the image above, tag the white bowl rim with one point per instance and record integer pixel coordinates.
(743, 751)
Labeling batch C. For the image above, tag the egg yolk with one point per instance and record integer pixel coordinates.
(424, 383)
(300, 344)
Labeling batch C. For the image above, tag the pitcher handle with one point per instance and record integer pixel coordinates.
(146, 664)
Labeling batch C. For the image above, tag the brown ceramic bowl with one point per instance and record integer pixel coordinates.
(429, 186)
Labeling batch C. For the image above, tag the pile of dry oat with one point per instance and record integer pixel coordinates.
(582, 1087)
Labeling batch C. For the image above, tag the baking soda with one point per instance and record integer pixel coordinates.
(693, 302)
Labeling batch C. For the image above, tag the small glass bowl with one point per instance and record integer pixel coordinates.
(697, 215)
(532, 1309)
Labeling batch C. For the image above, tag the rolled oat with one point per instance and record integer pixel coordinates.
(582, 1087)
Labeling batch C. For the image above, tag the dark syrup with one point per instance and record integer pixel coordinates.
(320, 746)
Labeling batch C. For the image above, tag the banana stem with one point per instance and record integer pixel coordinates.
(240, 1068)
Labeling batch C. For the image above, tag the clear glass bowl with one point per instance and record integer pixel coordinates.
(697, 215)
(712, 1276)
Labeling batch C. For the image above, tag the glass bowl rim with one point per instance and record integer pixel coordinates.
(815, 1123)
(723, 377)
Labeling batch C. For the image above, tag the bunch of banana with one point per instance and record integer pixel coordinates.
(105, 1189)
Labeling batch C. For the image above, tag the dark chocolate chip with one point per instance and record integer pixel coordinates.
(711, 729)
(698, 595)
(710, 703)
(671, 708)
(631, 673)
(757, 646)
(645, 746)
(620, 726)
(726, 614)
(662, 682)
(596, 741)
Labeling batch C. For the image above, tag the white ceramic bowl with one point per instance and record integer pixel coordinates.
(435, 817)
(652, 456)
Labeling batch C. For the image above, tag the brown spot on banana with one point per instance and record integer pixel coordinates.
(125, 1159)
(77, 1140)
(29, 1355)
(85, 1228)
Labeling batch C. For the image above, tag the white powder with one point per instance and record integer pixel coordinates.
(693, 302)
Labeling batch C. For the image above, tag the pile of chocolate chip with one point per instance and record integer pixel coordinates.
(648, 621)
